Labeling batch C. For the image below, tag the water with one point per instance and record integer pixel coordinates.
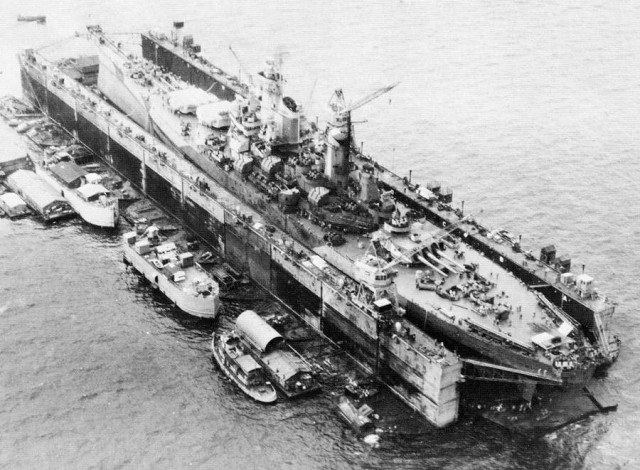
(528, 110)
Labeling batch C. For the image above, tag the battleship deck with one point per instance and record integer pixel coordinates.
(429, 372)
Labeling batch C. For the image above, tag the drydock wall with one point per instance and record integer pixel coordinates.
(162, 56)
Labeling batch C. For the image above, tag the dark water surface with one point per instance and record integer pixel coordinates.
(526, 109)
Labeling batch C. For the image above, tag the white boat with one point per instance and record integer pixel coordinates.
(90, 199)
(174, 272)
(241, 367)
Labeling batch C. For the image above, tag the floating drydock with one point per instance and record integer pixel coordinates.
(430, 372)
(307, 228)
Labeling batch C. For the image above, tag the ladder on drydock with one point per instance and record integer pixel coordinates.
(557, 311)
(488, 371)
(600, 334)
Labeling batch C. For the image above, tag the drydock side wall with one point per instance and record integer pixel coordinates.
(430, 386)
(163, 57)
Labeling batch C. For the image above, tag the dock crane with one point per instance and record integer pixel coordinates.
(339, 131)
(342, 112)
(242, 66)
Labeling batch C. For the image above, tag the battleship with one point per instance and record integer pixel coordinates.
(389, 267)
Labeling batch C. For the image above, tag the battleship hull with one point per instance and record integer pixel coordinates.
(430, 386)
(112, 80)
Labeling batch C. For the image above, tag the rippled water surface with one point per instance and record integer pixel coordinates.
(528, 110)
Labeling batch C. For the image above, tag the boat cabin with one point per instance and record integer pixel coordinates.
(291, 372)
(70, 174)
(257, 332)
(92, 192)
(249, 371)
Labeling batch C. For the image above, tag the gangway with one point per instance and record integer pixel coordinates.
(474, 369)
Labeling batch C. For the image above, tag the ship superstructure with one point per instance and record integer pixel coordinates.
(380, 262)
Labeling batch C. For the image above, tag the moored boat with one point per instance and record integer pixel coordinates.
(246, 373)
(32, 18)
(13, 205)
(174, 272)
(41, 197)
(90, 199)
(291, 374)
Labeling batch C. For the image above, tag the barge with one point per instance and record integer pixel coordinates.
(41, 197)
(13, 206)
(291, 374)
(173, 272)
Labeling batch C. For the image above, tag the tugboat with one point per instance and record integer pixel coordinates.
(174, 272)
(240, 367)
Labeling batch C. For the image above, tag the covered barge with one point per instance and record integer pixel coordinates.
(41, 197)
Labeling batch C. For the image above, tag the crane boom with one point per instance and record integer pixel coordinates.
(361, 102)
(242, 67)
